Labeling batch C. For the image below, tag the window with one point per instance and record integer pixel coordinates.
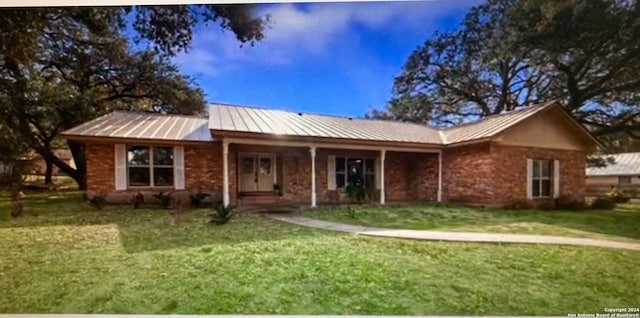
(150, 166)
(624, 180)
(356, 170)
(541, 178)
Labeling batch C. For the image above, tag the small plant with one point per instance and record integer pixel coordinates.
(618, 196)
(197, 198)
(17, 203)
(221, 215)
(163, 199)
(355, 188)
(98, 201)
(351, 212)
(603, 203)
(137, 200)
(276, 188)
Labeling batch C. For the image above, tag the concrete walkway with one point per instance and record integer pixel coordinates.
(452, 236)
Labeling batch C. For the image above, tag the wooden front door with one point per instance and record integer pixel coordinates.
(256, 172)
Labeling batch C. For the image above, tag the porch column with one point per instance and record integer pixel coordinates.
(440, 176)
(312, 150)
(225, 173)
(383, 154)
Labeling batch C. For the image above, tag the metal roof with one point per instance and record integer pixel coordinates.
(121, 124)
(624, 164)
(279, 122)
(491, 125)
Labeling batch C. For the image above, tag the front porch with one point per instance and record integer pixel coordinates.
(276, 173)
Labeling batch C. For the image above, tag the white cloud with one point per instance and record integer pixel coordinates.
(309, 29)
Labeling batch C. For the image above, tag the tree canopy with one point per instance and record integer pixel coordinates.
(512, 53)
(60, 67)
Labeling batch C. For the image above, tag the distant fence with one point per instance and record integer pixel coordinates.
(595, 189)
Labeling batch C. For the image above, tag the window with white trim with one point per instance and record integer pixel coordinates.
(361, 169)
(542, 178)
(149, 166)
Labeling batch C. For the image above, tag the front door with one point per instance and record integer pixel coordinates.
(256, 172)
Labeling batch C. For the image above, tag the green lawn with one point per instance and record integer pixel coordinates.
(622, 224)
(65, 257)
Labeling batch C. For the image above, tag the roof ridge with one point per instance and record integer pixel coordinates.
(155, 114)
(326, 115)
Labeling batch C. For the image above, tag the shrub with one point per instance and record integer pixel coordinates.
(163, 199)
(603, 203)
(197, 198)
(565, 202)
(221, 215)
(355, 188)
(618, 196)
(137, 200)
(98, 201)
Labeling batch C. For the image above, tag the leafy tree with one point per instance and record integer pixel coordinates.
(511, 53)
(60, 67)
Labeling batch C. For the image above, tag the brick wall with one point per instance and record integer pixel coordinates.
(468, 174)
(100, 168)
(203, 170)
(511, 171)
(497, 174)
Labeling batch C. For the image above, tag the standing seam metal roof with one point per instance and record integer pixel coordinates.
(121, 124)
(624, 164)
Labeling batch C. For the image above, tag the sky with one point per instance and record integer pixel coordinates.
(326, 57)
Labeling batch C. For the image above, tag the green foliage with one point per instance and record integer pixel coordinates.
(163, 199)
(508, 54)
(618, 196)
(197, 198)
(137, 200)
(603, 203)
(355, 188)
(221, 214)
(61, 67)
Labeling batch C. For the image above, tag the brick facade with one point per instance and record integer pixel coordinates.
(101, 174)
(495, 174)
(488, 174)
(511, 171)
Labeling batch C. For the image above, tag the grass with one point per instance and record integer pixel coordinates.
(64, 257)
(622, 224)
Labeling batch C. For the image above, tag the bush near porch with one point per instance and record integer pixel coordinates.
(623, 223)
(63, 256)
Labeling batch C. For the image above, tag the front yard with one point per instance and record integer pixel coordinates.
(63, 256)
(622, 224)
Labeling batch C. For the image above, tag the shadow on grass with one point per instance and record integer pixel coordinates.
(622, 222)
(148, 229)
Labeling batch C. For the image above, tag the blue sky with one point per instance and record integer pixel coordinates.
(332, 58)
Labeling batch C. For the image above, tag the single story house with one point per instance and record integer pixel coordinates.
(623, 173)
(251, 156)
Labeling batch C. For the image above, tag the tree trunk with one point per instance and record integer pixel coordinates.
(48, 173)
(78, 174)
